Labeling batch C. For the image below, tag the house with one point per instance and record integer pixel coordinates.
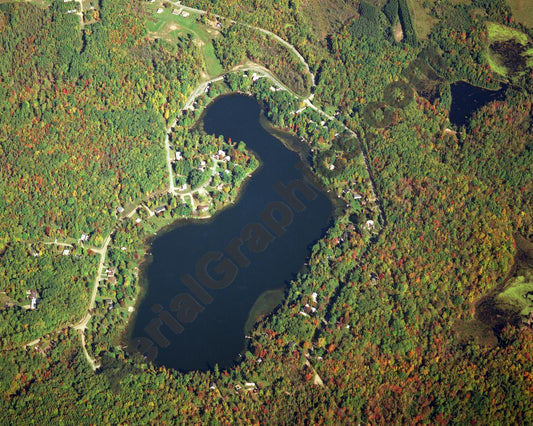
(314, 296)
(66, 252)
(120, 209)
(84, 237)
(176, 11)
(227, 158)
(138, 220)
(357, 196)
(160, 10)
(33, 303)
(202, 208)
(184, 14)
(369, 224)
(160, 210)
(221, 154)
(178, 156)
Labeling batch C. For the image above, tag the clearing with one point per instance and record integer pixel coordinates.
(507, 50)
(170, 27)
(522, 11)
(422, 20)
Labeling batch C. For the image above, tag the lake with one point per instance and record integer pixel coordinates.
(205, 276)
(466, 99)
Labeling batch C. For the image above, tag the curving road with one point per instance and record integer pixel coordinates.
(199, 90)
(285, 43)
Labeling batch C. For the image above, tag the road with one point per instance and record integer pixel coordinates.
(285, 43)
(82, 325)
(199, 90)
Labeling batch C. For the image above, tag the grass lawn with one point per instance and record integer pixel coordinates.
(522, 11)
(169, 26)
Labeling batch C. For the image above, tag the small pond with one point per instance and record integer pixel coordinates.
(466, 99)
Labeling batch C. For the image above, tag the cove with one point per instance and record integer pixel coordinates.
(205, 276)
(466, 99)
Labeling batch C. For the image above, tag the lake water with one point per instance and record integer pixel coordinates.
(206, 276)
(466, 99)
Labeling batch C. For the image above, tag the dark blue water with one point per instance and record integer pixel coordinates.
(466, 99)
(257, 245)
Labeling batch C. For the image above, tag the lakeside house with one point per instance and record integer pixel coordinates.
(202, 208)
(159, 210)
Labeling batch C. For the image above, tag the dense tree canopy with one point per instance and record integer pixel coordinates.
(381, 326)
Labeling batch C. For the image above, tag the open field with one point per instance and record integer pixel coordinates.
(171, 26)
(422, 21)
(522, 11)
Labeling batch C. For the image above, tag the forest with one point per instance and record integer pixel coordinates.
(398, 331)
